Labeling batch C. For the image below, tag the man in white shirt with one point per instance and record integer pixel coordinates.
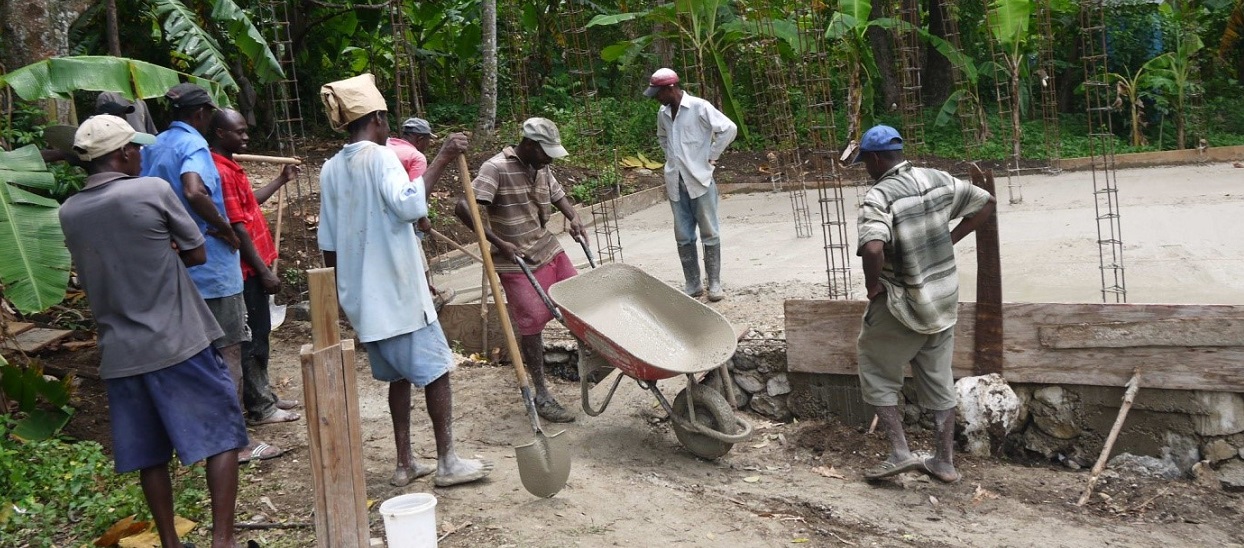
(693, 135)
(367, 205)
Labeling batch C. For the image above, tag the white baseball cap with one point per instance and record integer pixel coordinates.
(100, 135)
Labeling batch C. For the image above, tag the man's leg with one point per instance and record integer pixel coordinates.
(158, 490)
(885, 346)
(684, 236)
(399, 409)
(222, 485)
(258, 401)
(705, 208)
(450, 468)
(935, 386)
(532, 347)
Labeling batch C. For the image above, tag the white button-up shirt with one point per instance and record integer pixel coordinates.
(698, 134)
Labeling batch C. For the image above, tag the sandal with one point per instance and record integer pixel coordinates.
(552, 411)
(924, 467)
(277, 416)
(887, 468)
(287, 404)
(260, 451)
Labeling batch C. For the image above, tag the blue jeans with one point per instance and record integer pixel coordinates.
(692, 213)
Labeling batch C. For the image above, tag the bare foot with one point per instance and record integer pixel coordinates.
(403, 475)
(940, 470)
(453, 470)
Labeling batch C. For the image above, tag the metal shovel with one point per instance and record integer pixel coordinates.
(543, 464)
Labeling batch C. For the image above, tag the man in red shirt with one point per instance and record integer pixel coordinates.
(417, 137)
(228, 137)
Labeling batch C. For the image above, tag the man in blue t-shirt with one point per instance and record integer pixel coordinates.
(181, 156)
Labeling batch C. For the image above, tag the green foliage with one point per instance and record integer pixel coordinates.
(191, 40)
(35, 270)
(60, 492)
(42, 402)
(60, 77)
(589, 191)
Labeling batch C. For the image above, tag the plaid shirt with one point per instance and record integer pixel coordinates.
(910, 209)
(241, 207)
(518, 199)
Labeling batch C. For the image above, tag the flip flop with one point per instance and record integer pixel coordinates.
(924, 467)
(278, 416)
(449, 481)
(261, 451)
(287, 404)
(887, 469)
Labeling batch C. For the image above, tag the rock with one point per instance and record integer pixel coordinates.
(1224, 414)
(911, 414)
(1204, 475)
(1144, 466)
(643, 171)
(741, 397)
(299, 312)
(713, 380)
(1044, 444)
(749, 382)
(743, 362)
(1055, 413)
(1219, 450)
(988, 410)
(778, 385)
(771, 407)
(556, 357)
(1231, 476)
(1181, 450)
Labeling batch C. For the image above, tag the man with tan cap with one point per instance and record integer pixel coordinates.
(517, 189)
(366, 209)
(693, 135)
(168, 387)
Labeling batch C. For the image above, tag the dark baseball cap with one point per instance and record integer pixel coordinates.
(879, 138)
(189, 95)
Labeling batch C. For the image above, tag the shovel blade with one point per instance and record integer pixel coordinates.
(544, 464)
(276, 312)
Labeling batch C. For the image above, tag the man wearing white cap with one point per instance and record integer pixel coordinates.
(518, 189)
(168, 387)
(693, 135)
(367, 205)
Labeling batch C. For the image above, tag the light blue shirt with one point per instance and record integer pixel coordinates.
(181, 149)
(367, 204)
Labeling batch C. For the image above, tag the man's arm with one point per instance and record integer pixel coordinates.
(567, 209)
(195, 192)
(288, 173)
(873, 254)
(193, 257)
(724, 131)
(969, 224)
(271, 284)
(464, 215)
(455, 145)
(663, 135)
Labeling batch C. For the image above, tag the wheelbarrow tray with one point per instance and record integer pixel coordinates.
(645, 328)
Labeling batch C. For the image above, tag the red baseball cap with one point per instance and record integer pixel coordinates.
(661, 78)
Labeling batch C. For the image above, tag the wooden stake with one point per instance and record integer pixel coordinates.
(873, 427)
(266, 159)
(457, 246)
(988, 340)
(1132, 387)
(280, 214)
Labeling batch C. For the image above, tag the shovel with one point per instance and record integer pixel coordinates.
(543, 464)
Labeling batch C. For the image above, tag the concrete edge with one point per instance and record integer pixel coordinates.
(1165, 157)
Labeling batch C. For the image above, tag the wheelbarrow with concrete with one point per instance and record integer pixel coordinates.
(626, 319)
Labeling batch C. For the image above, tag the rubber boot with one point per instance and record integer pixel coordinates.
(690, 270)
(712, 268)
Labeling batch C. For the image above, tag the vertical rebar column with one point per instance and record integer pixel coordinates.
(971, 123)
(302, 197)
(909, 65)
(1097, 89)
(786, 161)
(818, 66)
(580, 57)
(1008, 111)
(1049, 91)
(516, 47)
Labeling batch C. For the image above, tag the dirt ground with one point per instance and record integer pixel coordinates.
(798, 483)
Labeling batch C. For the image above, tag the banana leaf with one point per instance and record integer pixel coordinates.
(59, 77)
(182, 30)
(248, 40)
(34, 263)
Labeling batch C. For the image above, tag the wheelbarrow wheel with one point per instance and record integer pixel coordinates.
(711, 410)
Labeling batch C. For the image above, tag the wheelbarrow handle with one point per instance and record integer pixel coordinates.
(536, 285)
(586, 250)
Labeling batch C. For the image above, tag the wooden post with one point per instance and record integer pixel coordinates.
(989, 335)
(1132, 387)
(334, 434)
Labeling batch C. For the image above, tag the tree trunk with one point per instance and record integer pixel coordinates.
(114, 35)
(488, 82)
(35, 30)
(937, 77)
(883, 54)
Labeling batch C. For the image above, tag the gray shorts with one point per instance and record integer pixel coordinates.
(886, 346)
(419, 356)
(230, 313)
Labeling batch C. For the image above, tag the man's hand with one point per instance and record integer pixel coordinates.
(289, 173)
(875, 291)
(424, 225)
(576, 230)
(271, 283)
(509, 251)
(229, 236)
(455, 144)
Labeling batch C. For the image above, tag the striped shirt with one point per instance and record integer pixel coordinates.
(910, 209)
(519, 200)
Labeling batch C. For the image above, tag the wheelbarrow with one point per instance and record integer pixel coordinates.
(650, 331)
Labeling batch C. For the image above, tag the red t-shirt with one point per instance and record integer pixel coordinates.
(412, 160)
(242, 207)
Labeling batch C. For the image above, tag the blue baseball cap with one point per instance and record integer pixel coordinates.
(877, 139)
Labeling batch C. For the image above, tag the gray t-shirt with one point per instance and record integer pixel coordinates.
(119, 230)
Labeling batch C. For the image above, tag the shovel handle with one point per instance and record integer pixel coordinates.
(586, 250)
(535, 284)
(494, 282)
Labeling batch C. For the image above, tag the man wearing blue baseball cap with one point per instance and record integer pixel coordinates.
(908, 252)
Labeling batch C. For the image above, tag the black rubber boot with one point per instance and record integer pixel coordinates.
(712, 268)
(690, 270)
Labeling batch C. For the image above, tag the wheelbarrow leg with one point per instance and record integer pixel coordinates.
(727, 384)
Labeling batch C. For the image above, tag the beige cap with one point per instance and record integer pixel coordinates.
(348, 100)
(544, 131)
(100, 135)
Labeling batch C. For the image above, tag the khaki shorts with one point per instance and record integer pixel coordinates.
(230, 313)
(886, 346)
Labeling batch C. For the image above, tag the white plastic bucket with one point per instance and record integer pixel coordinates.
(410, 520)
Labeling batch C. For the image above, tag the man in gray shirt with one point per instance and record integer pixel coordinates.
(168, 388)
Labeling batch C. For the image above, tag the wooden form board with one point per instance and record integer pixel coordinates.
(1184, 347)
(462, 326)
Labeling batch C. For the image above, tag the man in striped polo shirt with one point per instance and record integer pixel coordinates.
(908, 253)
(517, 189)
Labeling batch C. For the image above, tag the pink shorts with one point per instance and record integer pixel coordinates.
(527, 310)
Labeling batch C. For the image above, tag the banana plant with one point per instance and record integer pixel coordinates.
(35, 269)
(847, 32)
(183, 31)
(1132, 89)
(60, 77)
(1009, 22)
(1174, 74)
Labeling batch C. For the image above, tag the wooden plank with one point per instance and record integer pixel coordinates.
(322, 283)
(987, 347)
(821, 339)
(355, 441)
(310, 398)
(344, 498)
(464, 329)
(34, 340)
(1181, 333)
(17, 328)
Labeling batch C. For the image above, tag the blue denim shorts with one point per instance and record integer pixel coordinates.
(191, 407)
(419, 356)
